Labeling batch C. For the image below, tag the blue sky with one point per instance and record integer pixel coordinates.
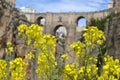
(64, 5)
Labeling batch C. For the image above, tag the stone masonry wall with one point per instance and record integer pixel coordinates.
(112, 32)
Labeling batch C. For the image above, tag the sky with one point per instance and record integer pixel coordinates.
(64, 5)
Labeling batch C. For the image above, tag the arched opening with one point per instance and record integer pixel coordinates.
(60, 32)
(41, 21)
(81, 22)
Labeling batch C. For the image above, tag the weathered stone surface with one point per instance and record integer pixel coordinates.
(5, 28)
(10, 18)
(113, 36)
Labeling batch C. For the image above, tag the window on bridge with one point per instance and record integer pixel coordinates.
(41, 21)
(60, 32)
(81, 23)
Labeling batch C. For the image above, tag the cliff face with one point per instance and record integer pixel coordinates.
(112, 33)
(10, 18)
(116, 23)
(6, 25)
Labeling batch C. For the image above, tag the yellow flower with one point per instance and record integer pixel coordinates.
(28, 42)
(10, 49)
(17, 67)
(93, 35)
(99, 42)
(79, 48)
(101, 78)
(29, 56)
(65, 56)
(3, 70)
(9, 43)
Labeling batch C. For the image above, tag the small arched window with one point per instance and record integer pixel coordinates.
(41, 21)
(81, 22)
(60, 32)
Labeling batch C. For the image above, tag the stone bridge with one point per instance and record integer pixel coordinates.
(70, 20)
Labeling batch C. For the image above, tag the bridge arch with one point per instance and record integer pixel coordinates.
(41, 21)
(60, 31)
(81, 21)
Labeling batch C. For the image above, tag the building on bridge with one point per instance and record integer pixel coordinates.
(27, 10)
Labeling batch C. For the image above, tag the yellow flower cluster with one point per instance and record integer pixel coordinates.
(93, 35)
(65, 56)
(42, 60)
(17, 69)
(3, 69)
(71, 71)
(9, 43)
(93, 60)
(47, 42)
(79, 48)
(43, 44)
(111, 69)
(9, 48)
(89, 72)
(34, 34)
(31, 33)
(22, 28)
(50, 42)
(46, 66)
(85, 64)
(29, 56)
